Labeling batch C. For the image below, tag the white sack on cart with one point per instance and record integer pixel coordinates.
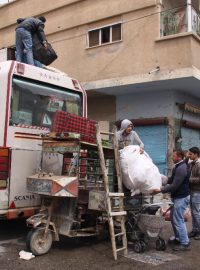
(139, 173)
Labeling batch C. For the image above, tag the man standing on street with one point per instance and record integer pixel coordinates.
(195, 191)
(24, 32)
(178, 186)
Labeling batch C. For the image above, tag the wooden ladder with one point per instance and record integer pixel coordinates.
(116, 213)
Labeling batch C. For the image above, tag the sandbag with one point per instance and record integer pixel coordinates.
(139, 173)
(44, 55)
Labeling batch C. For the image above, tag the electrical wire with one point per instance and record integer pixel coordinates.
(123, 22)
(129, 42)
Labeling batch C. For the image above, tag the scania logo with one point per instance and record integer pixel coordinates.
(24, 198)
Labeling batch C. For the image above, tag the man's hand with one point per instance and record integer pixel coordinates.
(141, 150)
(155, 191)
(45, 44)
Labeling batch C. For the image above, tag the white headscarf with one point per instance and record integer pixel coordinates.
(124, 124)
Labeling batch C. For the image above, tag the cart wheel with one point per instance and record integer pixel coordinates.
(160, 244)
(137, 247)
(143, 245)
(118, 240)
(164, 244)
(131, 231)
(36, 243)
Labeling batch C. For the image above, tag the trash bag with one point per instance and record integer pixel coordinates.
(139, 173)
(42, 54)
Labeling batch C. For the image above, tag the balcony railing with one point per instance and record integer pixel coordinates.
(176, 21)
(195, 22)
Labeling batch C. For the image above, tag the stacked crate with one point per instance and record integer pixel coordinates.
(67, 122)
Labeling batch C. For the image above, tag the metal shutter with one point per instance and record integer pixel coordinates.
(155, 141)
(190, 138)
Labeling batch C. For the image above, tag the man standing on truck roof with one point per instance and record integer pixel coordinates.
(24, 32)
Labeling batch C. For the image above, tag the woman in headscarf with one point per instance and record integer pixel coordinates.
(126, 136)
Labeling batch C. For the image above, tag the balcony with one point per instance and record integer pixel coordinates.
(180, 20)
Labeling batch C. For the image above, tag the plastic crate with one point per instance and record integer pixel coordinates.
(67, 122)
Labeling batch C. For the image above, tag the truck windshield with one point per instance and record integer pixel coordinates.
(34, 103)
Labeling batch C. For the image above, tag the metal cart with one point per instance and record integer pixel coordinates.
(143, 225)
(72, 190)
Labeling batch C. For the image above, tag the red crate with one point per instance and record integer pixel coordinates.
(59, 122)
(67, 122)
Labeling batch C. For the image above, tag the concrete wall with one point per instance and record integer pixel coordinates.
(140, 50)
(102, 108)
(195, 55)
(155, 104)
(145, 105)
(68, 22)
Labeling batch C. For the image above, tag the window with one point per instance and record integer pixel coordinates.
(94, 38)
(105, 35)
(35, 103)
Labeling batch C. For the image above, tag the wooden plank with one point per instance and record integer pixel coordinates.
(116, 194)
(117, 161)
(106, 133)
(115, 214)
(106, 184)
(120, 187)
(120, 249)
(121, 213)
(119, 234)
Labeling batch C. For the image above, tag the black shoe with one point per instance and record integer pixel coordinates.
(182, 247)
(174, 241)
(197, 236)
(192, 234)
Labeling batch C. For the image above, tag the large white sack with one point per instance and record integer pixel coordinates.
(139, 174)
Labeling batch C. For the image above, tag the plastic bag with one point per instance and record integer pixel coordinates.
(26, 255)
(44, 55)
(139, 174)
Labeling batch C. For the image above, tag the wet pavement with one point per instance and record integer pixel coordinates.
(88, 254)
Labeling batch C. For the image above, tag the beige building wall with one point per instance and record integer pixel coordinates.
(102, 108)
(68, 22)
(140, 50)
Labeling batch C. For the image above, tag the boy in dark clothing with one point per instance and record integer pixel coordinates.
(24, 32)
(178, 186)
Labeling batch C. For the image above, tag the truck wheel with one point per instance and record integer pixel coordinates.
(37, 243)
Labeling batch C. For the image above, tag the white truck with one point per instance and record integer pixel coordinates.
(29, 97)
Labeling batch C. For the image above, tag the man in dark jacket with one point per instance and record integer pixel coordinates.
(178, 186)
(194, 153)
(24, 32)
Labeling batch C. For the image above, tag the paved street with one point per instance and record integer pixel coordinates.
(85, 254)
